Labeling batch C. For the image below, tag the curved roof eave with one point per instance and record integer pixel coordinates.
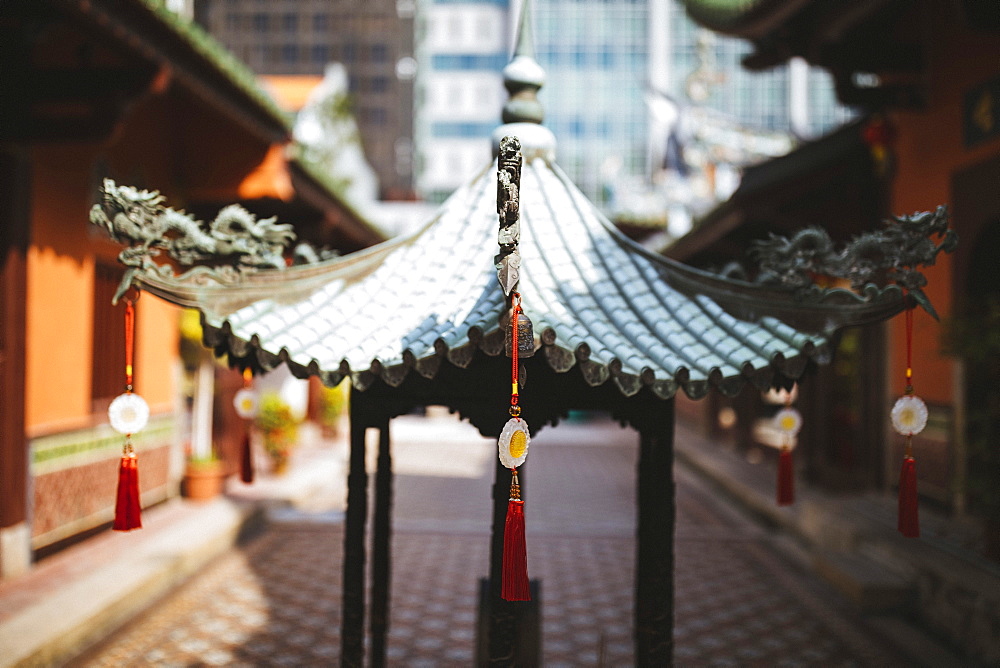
(598, 302)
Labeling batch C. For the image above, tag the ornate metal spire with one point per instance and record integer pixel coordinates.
(523, 76)
(523, 113)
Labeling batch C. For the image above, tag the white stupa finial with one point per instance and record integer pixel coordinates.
(523, 113)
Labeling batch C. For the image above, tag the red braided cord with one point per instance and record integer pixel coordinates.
(909, 347)
(514, 344)
(129, 341)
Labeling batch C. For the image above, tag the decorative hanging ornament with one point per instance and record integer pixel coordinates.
(909, 417)
(789, 422)
(519, 339)
(513, 450)
(128, 413)
(513, 443)
(247, 406)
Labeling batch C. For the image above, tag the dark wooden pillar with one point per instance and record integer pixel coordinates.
(654, 573)
(381, 548)
(352, 639)
(15, 194)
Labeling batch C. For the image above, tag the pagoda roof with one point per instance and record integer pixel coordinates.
(597, 301)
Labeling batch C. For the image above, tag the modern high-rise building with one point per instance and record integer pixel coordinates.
(704, 68)
(372, 38)
(426, 84)
(596, 58)
(461, 48)
(605, 60)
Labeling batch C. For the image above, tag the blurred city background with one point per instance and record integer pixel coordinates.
(695, 126)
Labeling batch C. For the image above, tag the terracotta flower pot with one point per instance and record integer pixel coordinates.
(204, 480)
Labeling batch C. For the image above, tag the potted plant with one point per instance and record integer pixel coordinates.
(279, 429)
(203, 477)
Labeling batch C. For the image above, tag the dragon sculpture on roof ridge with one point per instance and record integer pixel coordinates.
(234, 243)
(888, 256)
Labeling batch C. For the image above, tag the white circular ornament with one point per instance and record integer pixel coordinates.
(513, 443)
(909, 415)
(246, 403)
(788, 420)
(128, 413)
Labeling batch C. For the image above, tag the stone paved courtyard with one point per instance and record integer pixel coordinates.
(276, 600)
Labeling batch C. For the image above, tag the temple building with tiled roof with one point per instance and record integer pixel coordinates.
(421, 320)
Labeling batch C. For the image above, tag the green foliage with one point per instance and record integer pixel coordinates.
(203, 462)
(333, 404)
(278, 426)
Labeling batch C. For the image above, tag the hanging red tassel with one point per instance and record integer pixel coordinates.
(128, 508)
(909, 417)
(514, 580)
(246, 463)
(909, 522)
(128, 414)
(786, 478)
(245, 403)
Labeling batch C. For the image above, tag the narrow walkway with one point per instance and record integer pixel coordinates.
(276, 600)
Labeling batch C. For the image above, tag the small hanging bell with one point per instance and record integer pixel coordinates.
(525, 336)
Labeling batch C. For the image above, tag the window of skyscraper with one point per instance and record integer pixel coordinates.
(321, 22)
(290, 22)
(379, 84)
(575, 126)
(261, 22)
(320, 53)
(468, 129)
(469, 61)
(380, 53)
(349, 52)
(289, 53)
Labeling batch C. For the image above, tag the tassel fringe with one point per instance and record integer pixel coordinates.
(514, 584)
(246, 462)
(786, 478)
(128, 508)
(909, 522)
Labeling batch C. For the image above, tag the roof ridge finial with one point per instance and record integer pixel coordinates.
(523, 76)
(525, 45)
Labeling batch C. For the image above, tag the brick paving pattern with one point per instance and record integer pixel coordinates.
(276, 601)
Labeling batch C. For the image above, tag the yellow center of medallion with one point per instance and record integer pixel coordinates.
(787, 423)
(518, 444)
